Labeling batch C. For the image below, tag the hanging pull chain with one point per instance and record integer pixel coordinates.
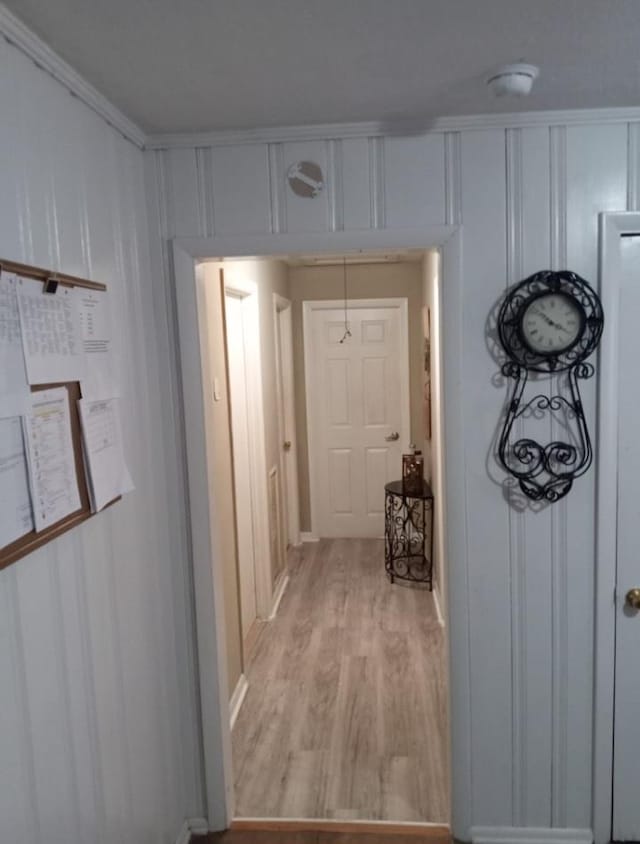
(347, 333)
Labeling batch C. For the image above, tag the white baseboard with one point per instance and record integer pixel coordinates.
(237, 698)
(307, 536)
(437, 602)
(529, 835)
(328, 824)
(192, 827)
(277, 596)
(184, 836)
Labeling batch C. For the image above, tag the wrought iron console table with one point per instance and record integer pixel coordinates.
(408, 533)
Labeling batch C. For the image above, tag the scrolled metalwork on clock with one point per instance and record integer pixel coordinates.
(549, 323)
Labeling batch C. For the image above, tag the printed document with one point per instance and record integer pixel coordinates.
(16, 517)
(51, 335)
(106, 470)
(50, 458)
(14, 389)
(95, 326)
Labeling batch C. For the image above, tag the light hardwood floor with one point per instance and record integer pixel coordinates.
(345, 716)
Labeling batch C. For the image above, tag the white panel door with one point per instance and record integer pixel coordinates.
(241, 460)
(358, 402)
(626, 776)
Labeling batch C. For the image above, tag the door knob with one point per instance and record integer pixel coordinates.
(287, 445)
(632, 598)
(393, 437)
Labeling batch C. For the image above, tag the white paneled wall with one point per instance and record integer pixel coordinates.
(98, 726)
(528, 199)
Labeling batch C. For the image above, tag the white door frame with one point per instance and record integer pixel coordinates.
(283, 333)
(613, 225)
(308, 307)
(248, 293)
(209, 609)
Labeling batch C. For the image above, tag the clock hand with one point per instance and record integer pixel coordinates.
(557, 325)
(542, 314)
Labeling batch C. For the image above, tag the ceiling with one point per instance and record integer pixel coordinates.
(195, 65)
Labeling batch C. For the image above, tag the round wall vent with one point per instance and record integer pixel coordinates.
(305, 179)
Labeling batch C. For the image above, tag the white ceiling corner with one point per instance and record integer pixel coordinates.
(225, 66)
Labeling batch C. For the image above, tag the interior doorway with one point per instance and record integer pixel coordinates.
(222, 766)
(341, 682)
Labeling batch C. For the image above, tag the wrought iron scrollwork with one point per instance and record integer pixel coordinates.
(408, 534)
(547, 472)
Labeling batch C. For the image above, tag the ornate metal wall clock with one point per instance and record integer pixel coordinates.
(549, 323)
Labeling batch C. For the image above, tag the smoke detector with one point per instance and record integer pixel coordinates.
(513, 80)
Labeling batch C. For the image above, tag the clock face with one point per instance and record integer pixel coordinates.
(552, 323)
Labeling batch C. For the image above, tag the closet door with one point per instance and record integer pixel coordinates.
(626, 760)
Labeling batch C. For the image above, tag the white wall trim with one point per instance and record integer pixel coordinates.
(184, 836)
(248, 290)
(633, 167)
(282, 319)
(359, 826)
(529, 835)
(308, 536)
(437, 603)
(191, 827)
(28, 43)
(205, 550)
(612, 226)
(340, 131)
(308, 307)
(198, 826)
(281, 588)
(453, 178)
(237, 699)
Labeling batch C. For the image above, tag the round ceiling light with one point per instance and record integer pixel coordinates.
(513, 80)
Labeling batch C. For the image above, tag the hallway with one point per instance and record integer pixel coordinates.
(345, 716)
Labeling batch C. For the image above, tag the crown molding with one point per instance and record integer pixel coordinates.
(340, 131)
(21, 37)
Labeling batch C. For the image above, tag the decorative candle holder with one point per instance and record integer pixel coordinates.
(412, 472)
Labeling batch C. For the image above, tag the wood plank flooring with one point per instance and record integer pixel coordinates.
(345, 716)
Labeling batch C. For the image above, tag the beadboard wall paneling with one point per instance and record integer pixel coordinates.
(305, 215)
(527, 198)
(355, 187)
(414, 181)
(240, 189)
(596, 180)
(530, 251)
(484, 262)
(99, 730)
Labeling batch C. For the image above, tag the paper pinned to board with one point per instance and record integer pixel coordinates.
(107, 474)
(14, 389)
(95, 326)
(51, 334)
(50, 457)
(16, 515)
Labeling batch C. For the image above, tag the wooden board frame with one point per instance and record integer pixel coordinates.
(32, 540)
